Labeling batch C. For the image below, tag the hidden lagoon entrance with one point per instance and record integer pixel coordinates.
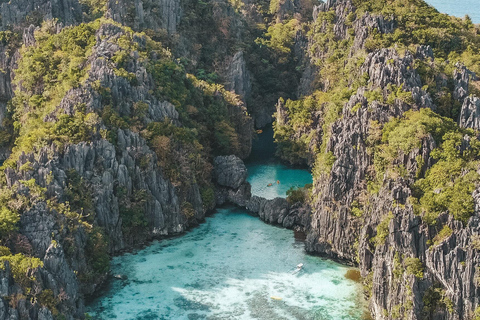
(233, 266)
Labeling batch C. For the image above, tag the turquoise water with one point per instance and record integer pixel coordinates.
(233, 266)
(458, 8)
(228, 268)
(264, 169)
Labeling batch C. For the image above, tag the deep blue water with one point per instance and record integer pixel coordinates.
(458, 8)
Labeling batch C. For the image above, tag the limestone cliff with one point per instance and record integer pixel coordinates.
(109, 191)
(365, 206)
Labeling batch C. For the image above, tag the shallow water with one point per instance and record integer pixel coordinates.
(458, 8)
(229, 268)
(233, 266)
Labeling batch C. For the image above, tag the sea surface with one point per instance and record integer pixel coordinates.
(458, 8)
(233, 266)
(268, 176)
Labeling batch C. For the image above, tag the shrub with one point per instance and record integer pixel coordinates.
(301, 195)
(414, 267)
(435, 297)
(356, 209)
(475, 241)
(188, 210)
(208, 197)
(22, 268)
(46, 299)
(383, 229)
(96, 251)
(8, 222)
(442, 235)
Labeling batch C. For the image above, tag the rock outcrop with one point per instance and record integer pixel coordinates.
(347, 216)
(238, 77)
(129, 198)
(231, 174)
(470, 113)
(230, 171)
(21, 13)
(155, 15)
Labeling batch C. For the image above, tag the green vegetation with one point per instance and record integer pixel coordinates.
(281, 37)
(48, 300)
(21, 267)
(436, 298)
(356, 209)
(414, 266)
(295, 195)
(475, 241)
(208, 197)
(442, 235)
(383, 229)
(449, 183)
(93, 9)
(97, 253)
(476, 314)
(420, 24)
(446, 186)
(210, 115)
(8, 222)
(45, 73)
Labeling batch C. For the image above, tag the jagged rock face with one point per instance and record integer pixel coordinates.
(238, 77)
(470, 113)
(14, 13)
(363, 26)
(230, 171)
(450, 265)
(147, 14)
(113, 171)
(124, 94)
(461, 79)
(386, 67)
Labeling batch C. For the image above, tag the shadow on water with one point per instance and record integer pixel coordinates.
(269, 177)
(263, 147)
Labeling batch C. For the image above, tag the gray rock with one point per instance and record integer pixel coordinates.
(230, 171)
(470, 113)
(274, 211)
(15, 12)
(147, 14)
(238, 77)
(461, 80)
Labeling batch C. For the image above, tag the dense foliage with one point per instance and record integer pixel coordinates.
(209, 122)
(445, 187)
(449, 183)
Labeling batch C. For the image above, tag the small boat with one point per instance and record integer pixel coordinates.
(278, 181)
(275, 298)
(259, 131)
(298, 268)
(270, 184)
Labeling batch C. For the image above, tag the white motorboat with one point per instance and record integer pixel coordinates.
(298, 268)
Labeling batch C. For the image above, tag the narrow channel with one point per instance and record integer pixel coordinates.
(233, 266)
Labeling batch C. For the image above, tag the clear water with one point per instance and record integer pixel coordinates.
(229, 268)
(264, 169)
(458, 8)
(233, 266)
